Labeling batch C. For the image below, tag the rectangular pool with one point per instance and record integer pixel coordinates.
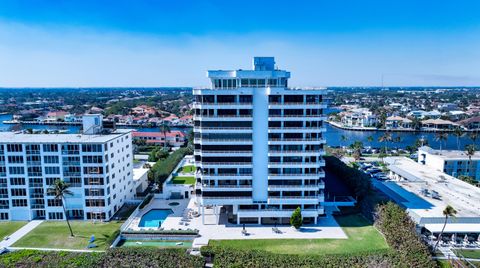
(154, 218)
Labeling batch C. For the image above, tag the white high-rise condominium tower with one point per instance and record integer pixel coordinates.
(259, 146)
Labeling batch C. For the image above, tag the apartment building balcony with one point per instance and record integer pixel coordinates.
(223, 105)
(277, 200)
(296, 129)
(223, 153)
(223, 164)
(304, 187)
(297, 105)
(4, 196)
(224, 200)
(294, 164)
(296, 176)
(296, 153)
(296, 141)
(220, 188)
(223, 117)
(223, 176)
(223, 129)
(226, 142)
(297, 118)
(34, 163)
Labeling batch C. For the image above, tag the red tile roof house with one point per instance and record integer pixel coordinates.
(175, 138)
(144, 110)
(55, 116)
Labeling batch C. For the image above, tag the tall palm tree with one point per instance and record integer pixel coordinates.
(60, 190)
(458, 133)
(441, 137)
(473, 136)
(449, 211)
(385, 138)
(470, 151)
(343, 138)
(370, 138)
(164, 128)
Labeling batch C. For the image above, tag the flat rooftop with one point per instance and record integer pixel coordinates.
(16, 137)
(417, 178)
(449, 154)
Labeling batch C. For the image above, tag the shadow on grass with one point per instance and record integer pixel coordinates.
(353, 220)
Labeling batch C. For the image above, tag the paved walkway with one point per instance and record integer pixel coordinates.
(20, 233)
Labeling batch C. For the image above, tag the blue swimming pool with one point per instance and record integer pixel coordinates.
(154, 218)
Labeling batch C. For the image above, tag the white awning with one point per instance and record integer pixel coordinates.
(454, 228)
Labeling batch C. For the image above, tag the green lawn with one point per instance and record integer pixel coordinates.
(183, 180)
(362, 237)
(9, 227)
(469, 253)
(188, 169)
(55, 234)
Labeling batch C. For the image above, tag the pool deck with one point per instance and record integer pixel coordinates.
(327, 228)
(158, 204)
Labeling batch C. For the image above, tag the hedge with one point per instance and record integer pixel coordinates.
(114, 258)
(162, 169)
(399, 231)
(145, 201)
(229, 257)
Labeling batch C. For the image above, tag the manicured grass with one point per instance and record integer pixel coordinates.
(188, 169)
(55, 234)
(362, 237)
(9, 227)
(183, 180)
(469, 253)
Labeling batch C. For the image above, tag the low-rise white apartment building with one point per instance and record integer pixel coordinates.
(97, 165)
(454, 163)
(259, 146)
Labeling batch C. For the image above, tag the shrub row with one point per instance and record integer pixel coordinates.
(162, 169)
(146, 201)
(114, 258)
(229, 257)
(399, 231)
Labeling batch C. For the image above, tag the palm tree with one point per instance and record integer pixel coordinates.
(458, 133)
(473, 136)
(370, 138)
(357, 147)
(343, 138)
(164, 128)
(60, 190)
(385, 138)
(470, 151)
(449, 211)
(441, 137)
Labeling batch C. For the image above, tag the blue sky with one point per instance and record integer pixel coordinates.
(173, 43)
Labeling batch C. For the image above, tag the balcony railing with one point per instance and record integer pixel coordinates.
(296, 103)
(224, 128)
(225, 152)
(299, 139)
(221, 140)
(297, 115)
(293, 197)
(226, 197)
(223, 163)
(223, 116)
(223, 186)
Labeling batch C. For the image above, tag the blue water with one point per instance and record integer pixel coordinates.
(154, 218)
(333, 136)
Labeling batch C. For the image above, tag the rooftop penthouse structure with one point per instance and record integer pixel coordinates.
(259, 146)
(97, 165)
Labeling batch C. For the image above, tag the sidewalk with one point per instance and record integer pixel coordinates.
(20, 233)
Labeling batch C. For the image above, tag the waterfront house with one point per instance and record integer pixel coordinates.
(398, 122)
(438, 124)
(360, 117)
(56, 116)
(471, 123)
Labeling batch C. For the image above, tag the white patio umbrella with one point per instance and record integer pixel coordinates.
(478, 238)
(454, 238)
(465, 239)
